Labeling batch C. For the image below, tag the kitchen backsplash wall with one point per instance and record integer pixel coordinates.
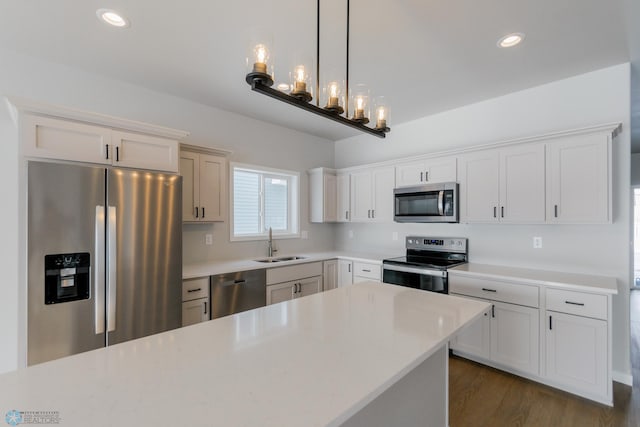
(595, 98)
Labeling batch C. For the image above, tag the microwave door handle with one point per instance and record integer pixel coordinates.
(441, 202)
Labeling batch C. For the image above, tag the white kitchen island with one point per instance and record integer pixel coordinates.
(369, 354)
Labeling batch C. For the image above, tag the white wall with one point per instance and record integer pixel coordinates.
(251, 141)
(595, 98)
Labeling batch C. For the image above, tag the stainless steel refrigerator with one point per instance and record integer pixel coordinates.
(104, 257)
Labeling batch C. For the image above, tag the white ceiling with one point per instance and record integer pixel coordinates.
(426, 56)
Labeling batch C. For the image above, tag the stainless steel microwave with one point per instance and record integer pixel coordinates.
(426, 203)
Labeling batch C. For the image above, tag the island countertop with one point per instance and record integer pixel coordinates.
(313, 361)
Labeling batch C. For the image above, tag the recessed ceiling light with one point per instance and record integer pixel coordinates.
(112, 17)
(511, 40)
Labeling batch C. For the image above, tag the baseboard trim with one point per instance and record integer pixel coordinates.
(619, 377)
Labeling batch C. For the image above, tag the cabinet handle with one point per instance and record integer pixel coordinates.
(493, 311)
(349, 268)
(239, 281)
(489, 290)
(495, 209)
(373, 213)
(555, 210)
(366, 271)
(502, 211)
(346, 215)
(299, 288)
(205, 307)
(426, 176)
(195, 290)
(421, 173)
(550, 323)
(369, 213)
(117, 154)
(202, 212)
(295, 288)
(107, 151)
(581, 304)
(196, 212)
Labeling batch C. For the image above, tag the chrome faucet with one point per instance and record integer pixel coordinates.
(270, 249)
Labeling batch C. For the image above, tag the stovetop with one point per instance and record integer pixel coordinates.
(432, 253)
(424, 262)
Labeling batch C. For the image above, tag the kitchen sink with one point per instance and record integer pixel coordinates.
(280, 259)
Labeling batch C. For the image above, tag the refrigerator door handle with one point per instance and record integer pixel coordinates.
(111, 284)
(99, 273)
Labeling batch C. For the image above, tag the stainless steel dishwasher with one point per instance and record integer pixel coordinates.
(235, 292)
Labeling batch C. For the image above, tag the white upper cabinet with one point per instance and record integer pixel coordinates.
(343, 190)
(322, 195)
(372, 195)
(144, 151)
(203, 187)
(579, 179)
(503, 185)
(440, 169)
(56, 138)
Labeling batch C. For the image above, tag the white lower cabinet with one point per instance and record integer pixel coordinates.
(295, 281)
(294, 289)
(363, 271)
(577, 352)
(195, 301)
(195, 311)
(345, 272)
(330, 274)
(506, 335)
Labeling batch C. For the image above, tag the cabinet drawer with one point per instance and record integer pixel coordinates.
(370, 271)
(578, 303)
(195, 288)
(293, 272)
(494, 290)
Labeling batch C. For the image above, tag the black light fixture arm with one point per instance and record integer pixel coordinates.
(257, 86)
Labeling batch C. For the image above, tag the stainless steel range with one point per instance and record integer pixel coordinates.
(425, 265)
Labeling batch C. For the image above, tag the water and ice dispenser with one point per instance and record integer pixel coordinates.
(67, 277)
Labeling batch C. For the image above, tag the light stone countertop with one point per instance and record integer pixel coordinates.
(570, 281)
(192, 271)
(312, 361)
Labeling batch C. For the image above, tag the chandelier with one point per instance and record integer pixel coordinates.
(299, 91)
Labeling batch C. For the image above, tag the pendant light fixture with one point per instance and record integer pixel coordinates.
(300, 93)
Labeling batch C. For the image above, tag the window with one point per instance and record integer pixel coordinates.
(263, 198)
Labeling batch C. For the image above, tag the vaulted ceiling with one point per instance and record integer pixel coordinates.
(425, 56)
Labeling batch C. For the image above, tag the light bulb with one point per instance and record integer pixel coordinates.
(359, 103)
(381, 113)
(299, 72)
(261, 56)
(333, 90)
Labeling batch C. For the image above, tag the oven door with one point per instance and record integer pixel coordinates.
(417, 278)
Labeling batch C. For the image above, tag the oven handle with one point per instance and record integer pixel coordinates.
(441, 202)
(421, 271)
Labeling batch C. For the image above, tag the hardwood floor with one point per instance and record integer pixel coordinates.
(481, 396)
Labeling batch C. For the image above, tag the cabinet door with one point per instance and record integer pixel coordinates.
(361, 200)
(514, 337)
(330, 198)
(578, 179)
(408, 174)
(212, 174)
(280, 292)
(443, 169)
(384, 181)
(345, 272)
(577, 352)
(145, 152)
(308, 286)
(60, 139)
(330, 274)
(522, 184)
(195, 311)
(343, 197)
(475, 339)
(190, 169)
(479, 186)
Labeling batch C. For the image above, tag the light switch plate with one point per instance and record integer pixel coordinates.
(208, 239)
(537, 242)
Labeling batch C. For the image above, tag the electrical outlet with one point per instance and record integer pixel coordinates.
(351, 234)
(304, 234)
(394, 236)
(208, 239)
(537, 242)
